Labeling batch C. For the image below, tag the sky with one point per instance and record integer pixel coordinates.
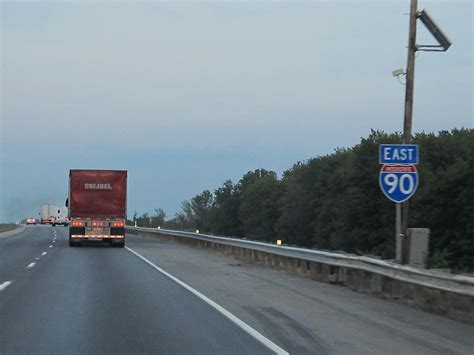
(185, 95)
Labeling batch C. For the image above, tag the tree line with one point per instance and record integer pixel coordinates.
(334, 202)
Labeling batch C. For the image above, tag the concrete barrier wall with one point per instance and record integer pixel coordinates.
(440, 293)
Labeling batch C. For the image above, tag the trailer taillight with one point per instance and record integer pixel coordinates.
(97, 224)
(77, 223)
(119, 224)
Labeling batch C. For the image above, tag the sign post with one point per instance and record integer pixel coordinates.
(398, 181)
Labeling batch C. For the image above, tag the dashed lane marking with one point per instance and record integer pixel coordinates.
(50, 245)
(44, 253)
(5, 285)
(31, 265)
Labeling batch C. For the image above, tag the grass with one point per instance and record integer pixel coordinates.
(7, 227)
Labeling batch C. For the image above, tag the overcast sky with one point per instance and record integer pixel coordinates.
(186, 95)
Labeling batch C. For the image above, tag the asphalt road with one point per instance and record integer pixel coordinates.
(161, 297)
(99, 300)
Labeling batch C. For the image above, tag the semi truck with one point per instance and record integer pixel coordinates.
(49, 213)
(62, 216)
(97, 206)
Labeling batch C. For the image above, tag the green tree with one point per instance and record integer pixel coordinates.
(259, 206)
(225, 210)
(444, 201)
(295, 220)
(158, 219)
(196, 213)
(201, 206)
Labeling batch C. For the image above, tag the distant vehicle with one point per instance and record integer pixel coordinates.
(97, 206)
(31, 220)
(62, 216)
(49, 213)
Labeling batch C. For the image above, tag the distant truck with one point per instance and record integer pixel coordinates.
(62, 216)
(97, 206)
(49, 213)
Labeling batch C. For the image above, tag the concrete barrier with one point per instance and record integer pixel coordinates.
(434, 291)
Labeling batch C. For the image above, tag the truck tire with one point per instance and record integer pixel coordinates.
(118, 245)
(71, 243)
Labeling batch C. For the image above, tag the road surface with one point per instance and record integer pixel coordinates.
(99, 300)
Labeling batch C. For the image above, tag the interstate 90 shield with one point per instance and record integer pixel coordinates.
(398, 182)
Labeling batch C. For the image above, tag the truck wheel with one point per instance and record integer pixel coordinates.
(118, 245)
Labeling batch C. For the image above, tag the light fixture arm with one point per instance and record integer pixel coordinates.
(441, 38)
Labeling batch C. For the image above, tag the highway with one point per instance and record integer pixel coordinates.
(97, 300)
(159, 297)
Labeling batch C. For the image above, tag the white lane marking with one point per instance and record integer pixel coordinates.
(31, 265)
(37, 258)
(44, 253)
(5, 285)
(240, 323)
(50, 245)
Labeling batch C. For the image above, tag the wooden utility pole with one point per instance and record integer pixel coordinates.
(407, 123)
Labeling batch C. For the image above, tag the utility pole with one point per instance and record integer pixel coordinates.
(407, 123)
(401, 221)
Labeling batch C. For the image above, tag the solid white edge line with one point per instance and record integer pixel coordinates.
(31, 265)
(5, 285)
(240, 323)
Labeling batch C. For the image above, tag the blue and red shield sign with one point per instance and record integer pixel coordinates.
(398, 182)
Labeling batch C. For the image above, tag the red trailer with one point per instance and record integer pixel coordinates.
(97, 206)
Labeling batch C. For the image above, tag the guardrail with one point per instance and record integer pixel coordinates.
(432, 290)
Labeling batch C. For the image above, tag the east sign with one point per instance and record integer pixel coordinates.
(398, 154)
